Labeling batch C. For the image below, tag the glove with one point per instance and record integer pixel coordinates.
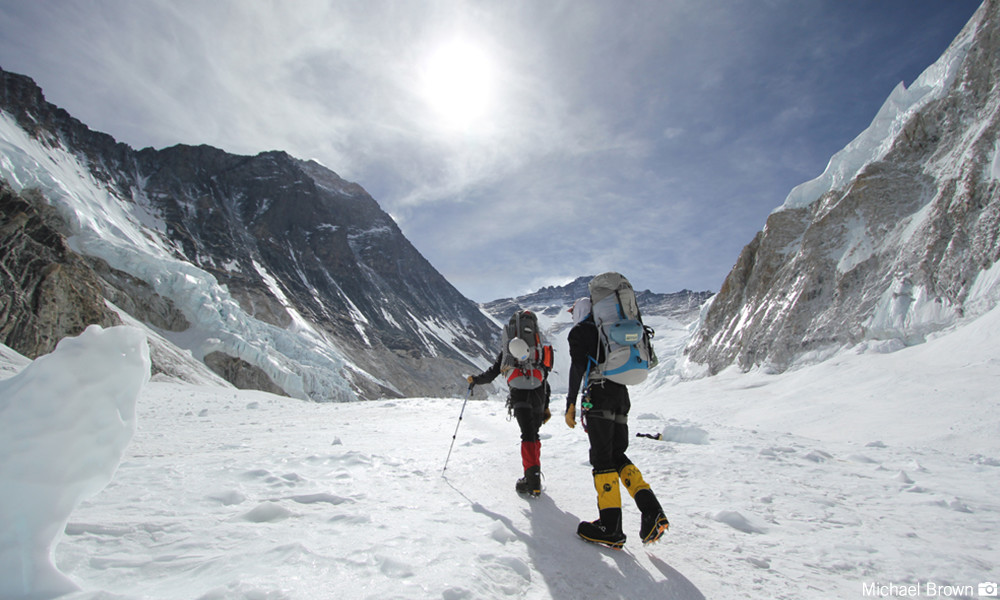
(471, 380)
(571, 416)
(546, 415)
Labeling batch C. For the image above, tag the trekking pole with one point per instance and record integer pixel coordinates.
(454, 435)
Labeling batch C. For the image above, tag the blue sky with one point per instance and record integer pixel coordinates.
(518, 144)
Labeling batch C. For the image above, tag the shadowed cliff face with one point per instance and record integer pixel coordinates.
(337, 258)
(294, 244)
(893, 254)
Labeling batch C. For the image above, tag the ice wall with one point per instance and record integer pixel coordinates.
(65, 420)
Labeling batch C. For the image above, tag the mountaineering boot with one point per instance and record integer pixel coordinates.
(606, 530)
(534, 476)
(653, 526)
(654, 523)
(531, 483)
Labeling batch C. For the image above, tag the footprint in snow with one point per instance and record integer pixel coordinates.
(257, 474)
(776, 452)
(456, 593)
(988, 461)
(507, 573)
(228, 497)
(350, 519)
(317, 498)
(861, 458)
(501, 534)
(903, 478)
(818, 456)
(394, 568)
(351, 458)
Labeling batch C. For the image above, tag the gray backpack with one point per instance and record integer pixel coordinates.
(626, 346)
(527, 358)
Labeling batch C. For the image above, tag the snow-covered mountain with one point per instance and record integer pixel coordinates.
(681, 305)
(273, 271)
(898, 238)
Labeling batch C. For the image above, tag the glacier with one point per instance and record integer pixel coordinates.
(305, 362)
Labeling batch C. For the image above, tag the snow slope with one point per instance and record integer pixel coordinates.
(867, 470)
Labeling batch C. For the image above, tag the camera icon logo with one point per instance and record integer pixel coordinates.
(988, 589)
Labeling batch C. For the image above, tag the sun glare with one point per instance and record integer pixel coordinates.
(458, 83)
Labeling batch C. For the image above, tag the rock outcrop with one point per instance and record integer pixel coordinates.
(47, 291)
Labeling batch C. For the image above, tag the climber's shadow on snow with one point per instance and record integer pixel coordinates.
(574, 569)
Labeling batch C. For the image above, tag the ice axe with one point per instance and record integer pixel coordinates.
(652, 436)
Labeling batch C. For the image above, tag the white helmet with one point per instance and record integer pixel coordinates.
(518, 349)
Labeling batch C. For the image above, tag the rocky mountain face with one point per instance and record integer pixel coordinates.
(49, 291)
(897, 239)
(269, 269)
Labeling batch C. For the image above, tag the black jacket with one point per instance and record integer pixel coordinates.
(584, 353)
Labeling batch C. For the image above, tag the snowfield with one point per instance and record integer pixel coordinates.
(858, 477)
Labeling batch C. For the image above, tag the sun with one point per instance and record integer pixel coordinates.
(458, 83)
